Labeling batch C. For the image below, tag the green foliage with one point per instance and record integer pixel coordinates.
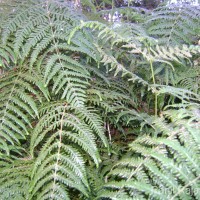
(92, 110)
(59, 135)
(20, 93)
(163, 166)
(63, 130)
(15, 177)
(42, 39)
(174, 24)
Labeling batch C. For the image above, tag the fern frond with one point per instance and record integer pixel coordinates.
(15, 178)
(18, 105)
(182, 94)
(168, 165)
(139, 43)
(7, 57)
(67, 132)
(119, 68)
(43, 36)
(110, 97)
(174, 24)
(164, 54)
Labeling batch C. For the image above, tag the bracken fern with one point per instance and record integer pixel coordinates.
(68, 84)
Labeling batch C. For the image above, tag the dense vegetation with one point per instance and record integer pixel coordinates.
(98, 110)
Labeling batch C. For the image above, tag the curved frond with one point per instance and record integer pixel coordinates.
(67, 132)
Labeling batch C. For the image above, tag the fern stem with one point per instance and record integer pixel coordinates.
(156, 104)
(183, 188)
(61, 121)
(113, 5)
(59, 149)
(152, 72)
(109, 134)
(154, 82)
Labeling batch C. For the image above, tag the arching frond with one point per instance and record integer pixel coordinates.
(40, 32)
(65, 133)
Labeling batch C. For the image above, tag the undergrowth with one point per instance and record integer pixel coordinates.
(96, 110)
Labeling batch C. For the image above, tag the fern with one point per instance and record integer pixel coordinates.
(7, 57)
(139, 44)
(174, 24)
(19, 97)
(60, 163)
(75, 94)
(44, 35)
(15, 177)
(189, 81)
(162, 167)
